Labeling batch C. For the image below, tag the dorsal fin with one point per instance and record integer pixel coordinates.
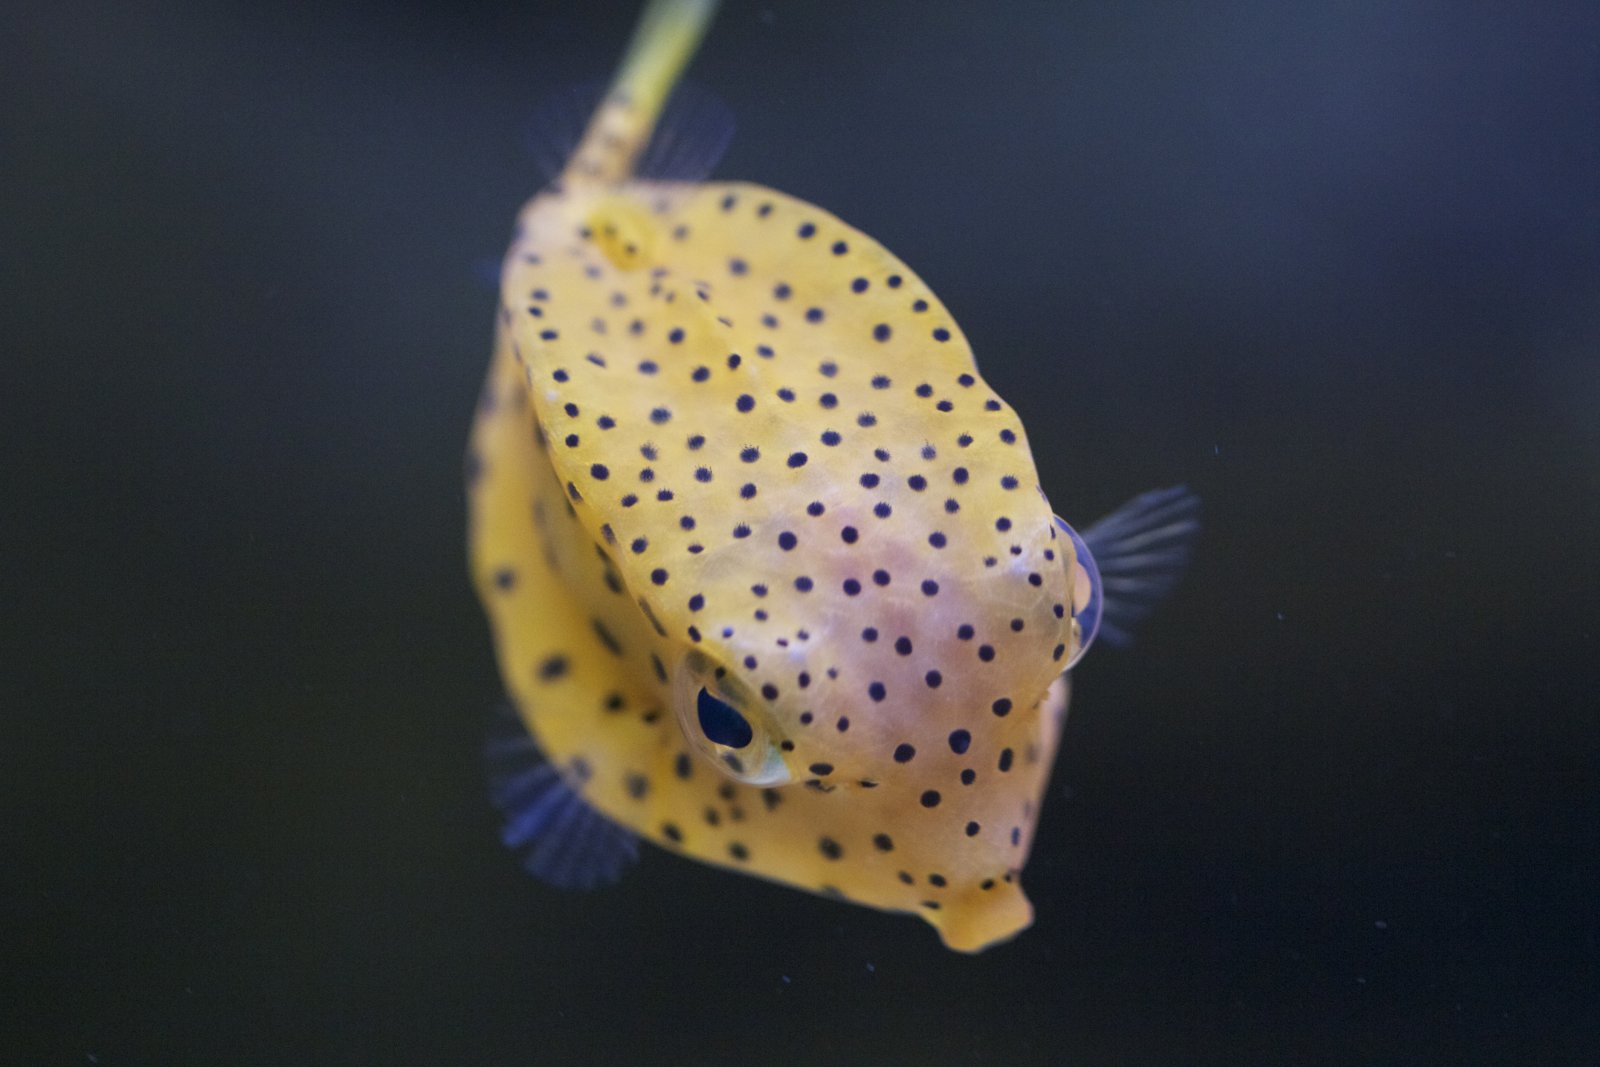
(685, 144)
(668, 33)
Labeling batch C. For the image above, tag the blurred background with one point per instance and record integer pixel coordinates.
(1337, 267)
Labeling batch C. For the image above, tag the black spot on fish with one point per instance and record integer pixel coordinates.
(606, 638)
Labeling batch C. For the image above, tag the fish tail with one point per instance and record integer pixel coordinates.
(665, 39)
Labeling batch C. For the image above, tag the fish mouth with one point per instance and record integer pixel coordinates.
(976, 920)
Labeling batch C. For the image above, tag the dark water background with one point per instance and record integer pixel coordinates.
(1335, 266)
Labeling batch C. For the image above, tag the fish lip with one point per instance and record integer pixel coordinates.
(977, 920)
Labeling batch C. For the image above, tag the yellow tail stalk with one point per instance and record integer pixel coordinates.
(666, 37)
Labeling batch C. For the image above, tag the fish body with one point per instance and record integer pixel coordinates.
(772, 580)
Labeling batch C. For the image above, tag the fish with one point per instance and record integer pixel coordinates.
(770, 575)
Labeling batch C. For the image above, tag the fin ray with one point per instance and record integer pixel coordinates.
(690, 138)
(1142, 550)
(556, 126)
(666, 36)
(557, 835)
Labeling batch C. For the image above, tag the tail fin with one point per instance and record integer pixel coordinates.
(667, 35)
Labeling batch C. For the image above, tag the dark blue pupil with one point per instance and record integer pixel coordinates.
(721, 723)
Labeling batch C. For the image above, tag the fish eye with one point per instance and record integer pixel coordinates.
(727, 722)
(721, 722)
(1088, 597)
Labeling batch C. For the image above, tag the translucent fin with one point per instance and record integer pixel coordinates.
(666, 37)
(688, 142)
(486, 272)
(558, 123)
(691, 138)
(559, 838)
(1142, 549)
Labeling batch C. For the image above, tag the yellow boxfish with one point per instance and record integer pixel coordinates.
(772, 581)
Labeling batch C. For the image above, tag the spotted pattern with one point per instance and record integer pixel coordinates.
(758, 445)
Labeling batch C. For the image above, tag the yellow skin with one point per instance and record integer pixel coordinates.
(624, 564)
